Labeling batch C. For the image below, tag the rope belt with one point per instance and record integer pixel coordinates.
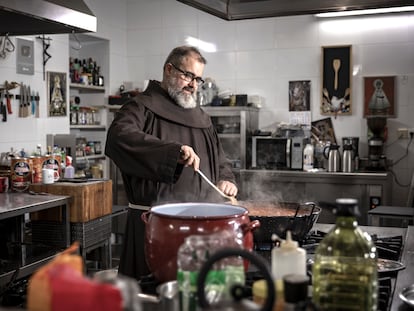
(140, 207)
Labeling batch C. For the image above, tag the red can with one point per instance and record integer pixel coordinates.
(21, 174)
(4, 184)
(37, 162)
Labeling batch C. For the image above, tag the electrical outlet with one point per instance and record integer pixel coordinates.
(402, 133)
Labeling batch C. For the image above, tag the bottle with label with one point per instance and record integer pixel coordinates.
(345, 268)
(69, 170)
(308, 156)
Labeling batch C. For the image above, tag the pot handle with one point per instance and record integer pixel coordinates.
(144, 216)
(250, 226)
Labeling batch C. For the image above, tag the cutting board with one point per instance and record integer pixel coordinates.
(89, 200)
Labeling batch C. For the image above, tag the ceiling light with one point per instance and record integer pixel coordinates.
(202, 45)
(367, 12)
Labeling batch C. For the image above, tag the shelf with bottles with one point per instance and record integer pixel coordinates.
(85, 72)
(83, 88)
(85, 117)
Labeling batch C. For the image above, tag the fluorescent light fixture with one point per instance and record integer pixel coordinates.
(202, 45)
(366, 12)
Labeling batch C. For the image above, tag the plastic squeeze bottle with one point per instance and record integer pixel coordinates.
(289, 258)
(286, 259)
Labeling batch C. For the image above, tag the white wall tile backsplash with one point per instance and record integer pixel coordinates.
(255, 57)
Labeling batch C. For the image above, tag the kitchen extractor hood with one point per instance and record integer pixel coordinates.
(248, 9)
(32, 17)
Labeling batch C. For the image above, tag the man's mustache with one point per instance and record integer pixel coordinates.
(188, 88)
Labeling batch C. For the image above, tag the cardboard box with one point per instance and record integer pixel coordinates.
(89, 200)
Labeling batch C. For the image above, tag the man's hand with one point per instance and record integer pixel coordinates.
(227, 187)
(189, 158)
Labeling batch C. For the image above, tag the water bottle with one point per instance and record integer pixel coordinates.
(345, 268)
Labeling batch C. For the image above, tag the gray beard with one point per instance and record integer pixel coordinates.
(186, 101)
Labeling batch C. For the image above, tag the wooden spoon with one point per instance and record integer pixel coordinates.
(233, 200)
(336, 65)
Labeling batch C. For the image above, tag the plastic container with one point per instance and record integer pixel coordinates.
(69, 170)
(345, 268)
(308, 157)
(289, 258)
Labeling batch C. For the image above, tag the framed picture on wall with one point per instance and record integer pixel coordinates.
(299, 95)
(379, 96)
(323, 130)
(336, 80)
(56, 96)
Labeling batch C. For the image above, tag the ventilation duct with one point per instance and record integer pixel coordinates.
(32, 17)
(248, 9)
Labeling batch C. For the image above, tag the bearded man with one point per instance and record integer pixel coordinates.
(159, 140)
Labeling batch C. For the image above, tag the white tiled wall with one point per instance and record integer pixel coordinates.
(253, 57)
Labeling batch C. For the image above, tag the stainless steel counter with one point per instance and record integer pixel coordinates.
(14, 207)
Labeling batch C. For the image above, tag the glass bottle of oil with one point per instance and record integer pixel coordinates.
(345, 268)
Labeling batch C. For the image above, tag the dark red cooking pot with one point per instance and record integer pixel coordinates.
(168, 225)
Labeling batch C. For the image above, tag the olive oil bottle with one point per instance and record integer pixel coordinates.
(345, 266)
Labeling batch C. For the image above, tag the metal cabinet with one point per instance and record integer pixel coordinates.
(235, 126)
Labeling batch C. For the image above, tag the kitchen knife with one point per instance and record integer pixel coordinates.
(3, 110)
(24, 101)
(29, 101)
(33, 102)
(21, 100)
(37, 98)
(9, 108)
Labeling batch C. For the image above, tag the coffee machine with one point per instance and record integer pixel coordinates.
(376, 158)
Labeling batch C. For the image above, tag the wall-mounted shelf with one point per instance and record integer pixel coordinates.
(91, 157)
(88, 127)
(82, 88)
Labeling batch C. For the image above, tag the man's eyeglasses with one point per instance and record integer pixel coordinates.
(188, 76)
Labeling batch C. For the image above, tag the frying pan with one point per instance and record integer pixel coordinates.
(277, 218)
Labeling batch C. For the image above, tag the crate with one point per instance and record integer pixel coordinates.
(48, 232)
(87, 233)
(91, 232)
(89, 200)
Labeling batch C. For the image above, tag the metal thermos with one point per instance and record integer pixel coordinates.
(347, 166)
(334, 158)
